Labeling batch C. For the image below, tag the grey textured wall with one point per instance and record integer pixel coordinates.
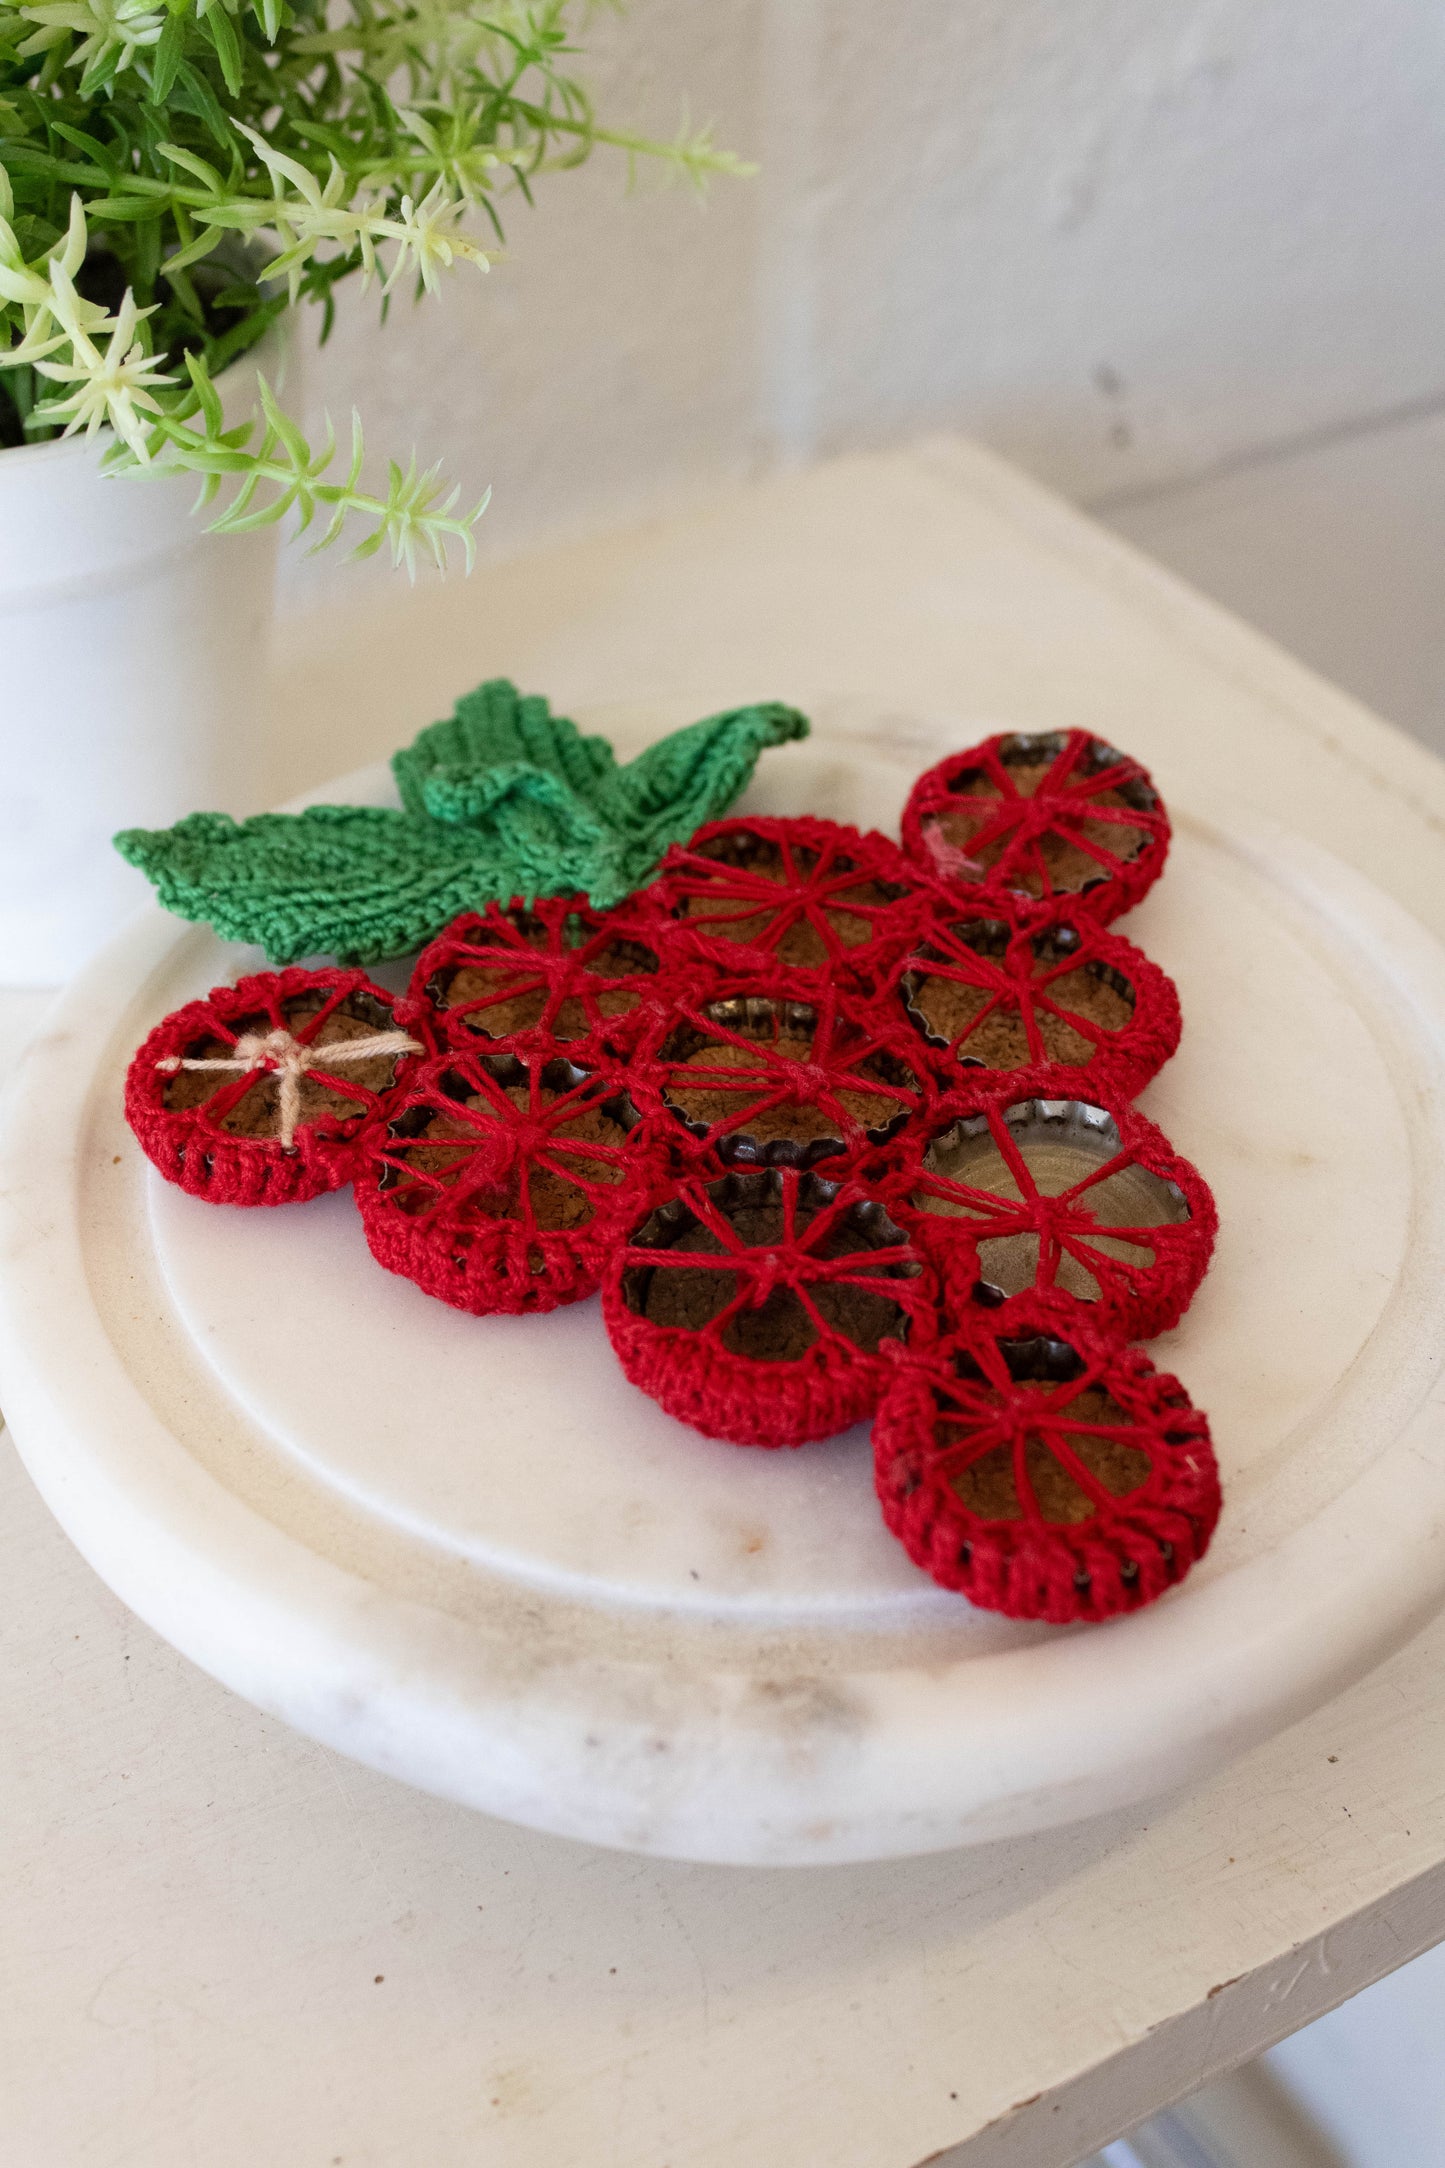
(1122, 240)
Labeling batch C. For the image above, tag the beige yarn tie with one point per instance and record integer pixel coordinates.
(288, 1060)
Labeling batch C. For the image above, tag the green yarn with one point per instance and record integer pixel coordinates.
(503, 799)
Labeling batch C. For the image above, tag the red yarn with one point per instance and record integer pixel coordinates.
(494, 1181)
(808, 895)
(554, 971)
(1091, 827)
(808, 1110)
(785, 1287)
(1012, 992)
(774, 1069)
(1004, 1481)
(1082, 1197)
(192, 1146)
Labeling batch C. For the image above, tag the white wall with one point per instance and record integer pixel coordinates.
(1372, 2073)
(1123, 240)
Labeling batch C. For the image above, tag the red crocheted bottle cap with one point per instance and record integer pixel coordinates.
(1084, 1197)
(503, 1183)
(755, 1307)
(1055, 813)
(256, 1094)
(552, 972)
(807, 895)
(1044, 1469)
(1028, 993)
(772, 1069)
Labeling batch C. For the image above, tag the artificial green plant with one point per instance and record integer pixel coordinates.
(175, 173)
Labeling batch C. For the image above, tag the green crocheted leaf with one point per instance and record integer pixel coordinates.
(666, 794)
(554, 806)
(353, 882)
(504, 799)
(447, 772)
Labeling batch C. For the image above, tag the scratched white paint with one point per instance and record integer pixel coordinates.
(1120, 241)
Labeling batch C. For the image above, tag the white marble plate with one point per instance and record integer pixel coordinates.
(468, 1552)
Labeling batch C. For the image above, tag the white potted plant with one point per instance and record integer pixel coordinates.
(175, 177)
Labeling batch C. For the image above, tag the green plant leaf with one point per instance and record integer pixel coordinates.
(228, 46)
(175, 130)
(502, 800)
(170, 51)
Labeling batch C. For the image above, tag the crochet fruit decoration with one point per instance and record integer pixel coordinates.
(838, 1129)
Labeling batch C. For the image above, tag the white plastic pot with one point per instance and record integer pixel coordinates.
(133, 651)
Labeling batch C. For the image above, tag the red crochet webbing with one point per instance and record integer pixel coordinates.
(1053, 814)
(755, 1307)
(775, 1069)
(1043, 1469)
(1035, 988)
(555, 971)
(805, 894)
(1084, 1197)
(504, 1184)
(823, 1120)
(192, 1145)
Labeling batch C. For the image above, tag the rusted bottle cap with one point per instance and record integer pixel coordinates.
(258, 1093)
(502, 1183)
(757, 1307)
(555, 971)
(788, 1076)
(809, 896)
(1043, 815)
(1043, 1468)
(1036, 992)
